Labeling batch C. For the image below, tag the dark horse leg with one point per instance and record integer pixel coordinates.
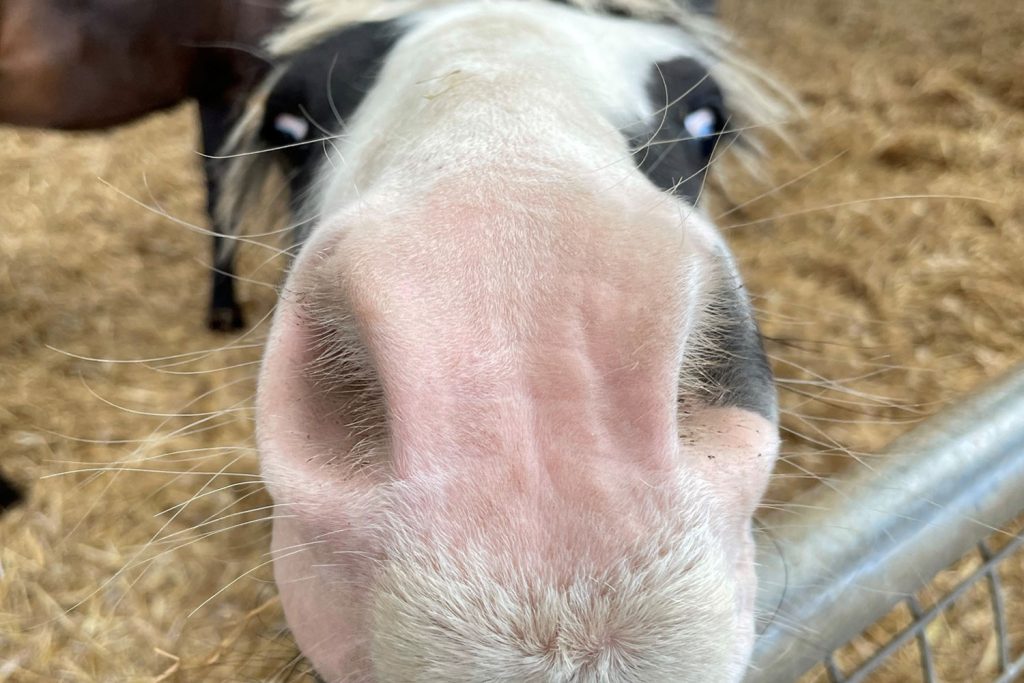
(9, 496)
(225, 315)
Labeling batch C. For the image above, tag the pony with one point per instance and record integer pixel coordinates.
(514, 409)
(74, 65)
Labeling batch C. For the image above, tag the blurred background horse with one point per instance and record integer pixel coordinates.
(77, 65)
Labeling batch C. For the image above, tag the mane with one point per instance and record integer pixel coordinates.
(757, 104)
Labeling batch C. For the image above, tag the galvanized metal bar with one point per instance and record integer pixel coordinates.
(832, 669)
(996, 591)
(927, 661)
(921, 620)
(1014, 673)
(873, 536)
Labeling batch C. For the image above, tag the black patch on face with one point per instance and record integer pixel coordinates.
(322, 86)
(730, 365)
(673, 157)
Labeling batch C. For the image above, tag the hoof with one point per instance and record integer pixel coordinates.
(226, 318)
(9, 496)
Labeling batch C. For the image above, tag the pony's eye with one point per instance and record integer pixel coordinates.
(291, 126)
(701, 123)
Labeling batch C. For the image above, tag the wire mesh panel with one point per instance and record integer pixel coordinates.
(870, 540)
(1008, 667)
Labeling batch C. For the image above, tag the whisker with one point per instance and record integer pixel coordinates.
(279, 148)
(779, 188)
(233, 582)
(857, 202)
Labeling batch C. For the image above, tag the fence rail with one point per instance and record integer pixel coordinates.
(869, 539)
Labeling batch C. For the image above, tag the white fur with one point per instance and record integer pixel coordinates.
(598, 65)
(756, 103)
(661, 613)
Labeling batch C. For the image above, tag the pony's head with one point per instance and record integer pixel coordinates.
(514, 410)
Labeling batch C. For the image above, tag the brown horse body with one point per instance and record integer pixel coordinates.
(88, 64)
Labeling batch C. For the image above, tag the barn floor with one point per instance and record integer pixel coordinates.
(141, 553)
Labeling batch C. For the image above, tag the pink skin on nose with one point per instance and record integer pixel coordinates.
(529, 347)
(734, 451)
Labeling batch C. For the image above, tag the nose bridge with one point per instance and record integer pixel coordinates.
(529, 326)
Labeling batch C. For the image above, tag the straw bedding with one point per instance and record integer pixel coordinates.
(907, 303)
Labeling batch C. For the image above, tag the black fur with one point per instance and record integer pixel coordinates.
(323, 85)
(733, 368)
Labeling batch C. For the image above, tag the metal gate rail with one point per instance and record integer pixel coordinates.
(869, 539)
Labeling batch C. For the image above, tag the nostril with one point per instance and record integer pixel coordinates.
(316, 399)
(326, 503)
